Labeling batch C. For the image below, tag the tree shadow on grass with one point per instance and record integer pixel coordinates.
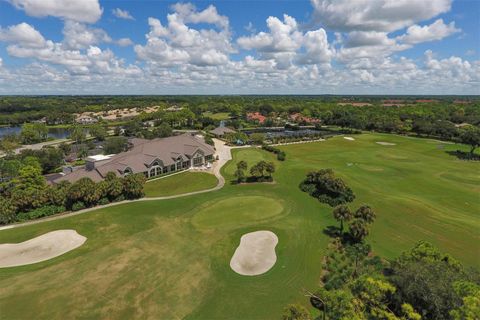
(335, 232)
(462, 155)
(332, 231)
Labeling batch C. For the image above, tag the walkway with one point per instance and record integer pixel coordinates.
(223, 153)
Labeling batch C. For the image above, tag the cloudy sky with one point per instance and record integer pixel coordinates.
(240, 47)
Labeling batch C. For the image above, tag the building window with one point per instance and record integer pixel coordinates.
(165, 169)
(197, 161)
(186, 164)
(159, 171)
(209, 157)
(172, 167)
(152, 172)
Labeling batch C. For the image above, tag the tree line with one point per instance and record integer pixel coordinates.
(28, 195)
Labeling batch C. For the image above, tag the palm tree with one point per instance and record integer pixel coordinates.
(358, 229)
(342, 213)
(366, 213)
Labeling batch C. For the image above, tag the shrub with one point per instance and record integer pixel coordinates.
(103, 201)
(78, 206)
(7, 211)
(281, 155)
(40, 212)
(119, 198)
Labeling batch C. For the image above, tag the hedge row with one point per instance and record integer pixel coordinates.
(281, 155)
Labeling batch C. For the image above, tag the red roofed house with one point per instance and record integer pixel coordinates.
(297, 117)
(256, 116)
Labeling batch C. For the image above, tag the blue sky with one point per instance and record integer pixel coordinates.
(240, 47)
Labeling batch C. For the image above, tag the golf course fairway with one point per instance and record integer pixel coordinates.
(169, 259)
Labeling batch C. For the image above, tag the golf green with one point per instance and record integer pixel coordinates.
(170, 258)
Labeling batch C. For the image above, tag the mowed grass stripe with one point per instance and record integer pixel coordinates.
(181, 183)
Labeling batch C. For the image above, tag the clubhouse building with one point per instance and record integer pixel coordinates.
(150, 157)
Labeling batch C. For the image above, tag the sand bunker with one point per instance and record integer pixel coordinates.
(349, 138)
(41, 248)
(386, 143)
(255, 254)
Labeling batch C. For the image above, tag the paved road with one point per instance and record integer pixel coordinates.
(38, 146)
(223, 152)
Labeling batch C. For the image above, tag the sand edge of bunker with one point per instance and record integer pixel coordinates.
(255, 254)
(44, 247)
(383, 143)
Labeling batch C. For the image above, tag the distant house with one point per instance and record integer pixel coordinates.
(256, 116)
(85, 119)
(42, 120)
(461, 102)
(174, 109)
(298, 118)
(354, 104)
(221, 131)
(149, 157)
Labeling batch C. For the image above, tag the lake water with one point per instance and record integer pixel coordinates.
(56, 133)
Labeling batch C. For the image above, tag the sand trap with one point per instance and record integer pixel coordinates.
(41, 248)
(386, 143)
(349, 138)
(255, 254)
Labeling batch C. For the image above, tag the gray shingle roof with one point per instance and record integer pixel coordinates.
(220, 131)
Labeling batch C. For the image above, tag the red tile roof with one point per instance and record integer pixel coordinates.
(256, 116)
(299, 118)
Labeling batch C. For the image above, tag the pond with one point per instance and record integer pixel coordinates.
(56, 133)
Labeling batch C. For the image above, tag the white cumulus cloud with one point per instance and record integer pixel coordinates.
(376, 15)
(82, 11)
(122, 14)
(178, 42)
(22, 34)
(436, 31)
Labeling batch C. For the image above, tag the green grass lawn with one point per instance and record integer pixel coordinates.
(170, 259)
(217, 116)
(184, 182)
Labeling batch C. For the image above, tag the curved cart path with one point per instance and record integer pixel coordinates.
(224, 153)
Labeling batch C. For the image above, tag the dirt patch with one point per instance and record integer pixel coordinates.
(255, 254)
(349, 138)
(41, 248)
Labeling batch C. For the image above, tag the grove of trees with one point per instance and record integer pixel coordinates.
(324, 186)
(27, 195)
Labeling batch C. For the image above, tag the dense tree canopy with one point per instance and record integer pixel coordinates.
(327, 188)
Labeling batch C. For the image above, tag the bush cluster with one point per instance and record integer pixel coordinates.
(309, 137)
(40, 212)
(281, 155)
